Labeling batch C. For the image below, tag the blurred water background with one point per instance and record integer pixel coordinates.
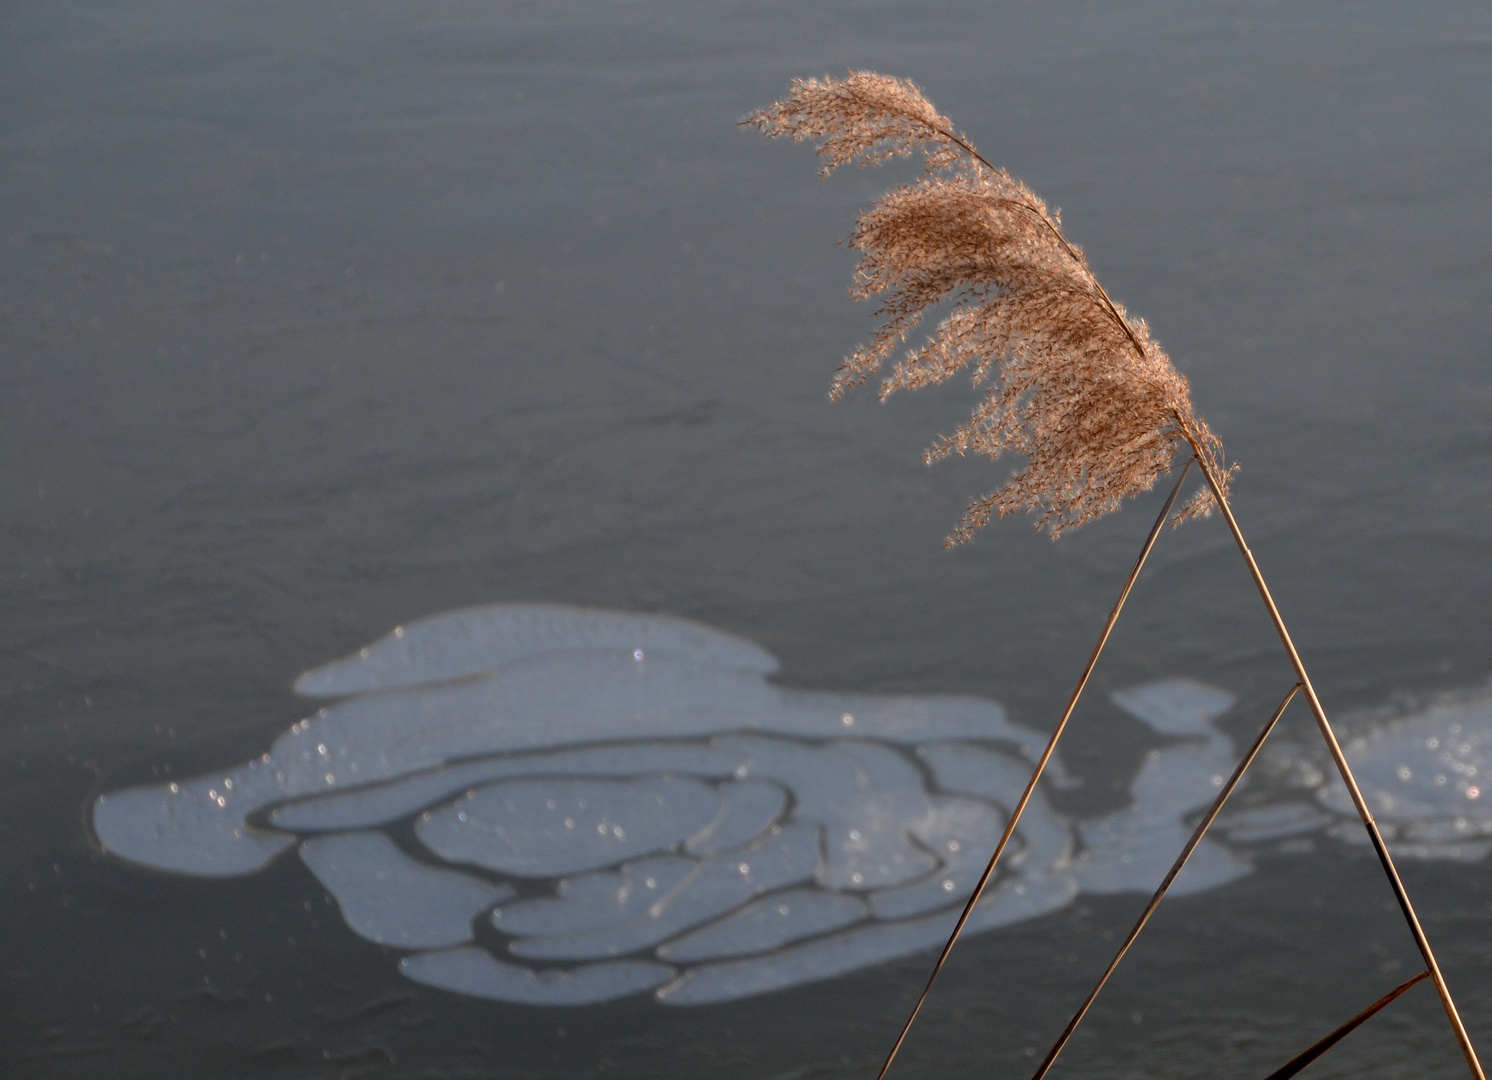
(320, 318)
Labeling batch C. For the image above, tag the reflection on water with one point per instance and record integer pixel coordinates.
(561, 806)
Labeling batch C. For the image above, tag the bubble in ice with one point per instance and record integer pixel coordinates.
(529, 812)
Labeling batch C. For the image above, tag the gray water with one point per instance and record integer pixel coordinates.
(318, 320)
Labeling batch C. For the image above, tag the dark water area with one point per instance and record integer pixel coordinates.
(320, 319)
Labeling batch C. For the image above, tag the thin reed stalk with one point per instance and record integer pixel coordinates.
(1070, 381)
(1041, 764)
(1186, 853)
(1301, 1060)
(1345, 770)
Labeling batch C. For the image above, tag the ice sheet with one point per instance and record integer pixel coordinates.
(660, 801)
(767, 924)
(1131, 851)
(866, 797)
(366, 807)
(1175, 706)
(1046, 840)
(475, 972)
(962, 832)
(747, 810)
(481, 640)
(1278, 821)
(1426, 767)
(785, 857)
(392, 899)
(195, 826)
(551, 827)
(855, 948)
(593, 901)
(448, 691)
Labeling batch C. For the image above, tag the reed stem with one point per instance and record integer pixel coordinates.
(1186, 853)
(1335, 748)
(1041, 764)
(1300, 1061)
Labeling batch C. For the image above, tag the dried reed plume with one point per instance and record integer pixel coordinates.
(1074, 383)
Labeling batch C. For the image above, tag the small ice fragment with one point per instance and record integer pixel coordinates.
(1175, 706)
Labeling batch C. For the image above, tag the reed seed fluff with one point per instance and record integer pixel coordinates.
(1070, 380)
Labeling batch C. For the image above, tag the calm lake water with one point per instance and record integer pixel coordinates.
(320, 319)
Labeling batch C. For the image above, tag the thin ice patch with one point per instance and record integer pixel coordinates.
(677, 824)
(392, 899)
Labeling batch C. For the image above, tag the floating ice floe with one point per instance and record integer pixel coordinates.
(1130, 851)
(1423, 776)
(553, 805)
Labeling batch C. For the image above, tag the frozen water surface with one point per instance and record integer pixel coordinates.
(476, 972)
(195, 826)
(713, 888)
(1175, 706)
(858, 947)
(680, 825)
(386, 802)
(747, 810)
(1130, 851)
(1278, 821)
(767, 924)
(545, 828)
(480, 641)
(865, 797)
(593, 901)
(962, 833)
(392, 899)
(1046, 840)
(1423, 777)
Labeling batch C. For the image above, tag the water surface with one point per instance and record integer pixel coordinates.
(318, 321)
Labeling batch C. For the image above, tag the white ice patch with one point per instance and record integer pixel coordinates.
(374, 805)
(477, 973)
(544, 828)
(623, 800)
(1131, 850)
(613, 804)
(597, 901)
(765, 925)
(1425, 777)
(1275, 821)
(484, 640)
(392, 899)
(713, 888)
(196, 826)
(1176, 706)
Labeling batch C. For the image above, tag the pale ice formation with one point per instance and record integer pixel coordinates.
(559, 806)
(1131, 850)
(1423, 775)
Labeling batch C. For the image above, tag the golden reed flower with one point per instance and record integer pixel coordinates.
(1073, 382)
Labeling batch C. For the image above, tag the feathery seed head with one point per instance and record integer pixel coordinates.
(1070, 380)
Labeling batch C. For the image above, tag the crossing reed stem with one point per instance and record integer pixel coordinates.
(1041, 764)
(1335, 748)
